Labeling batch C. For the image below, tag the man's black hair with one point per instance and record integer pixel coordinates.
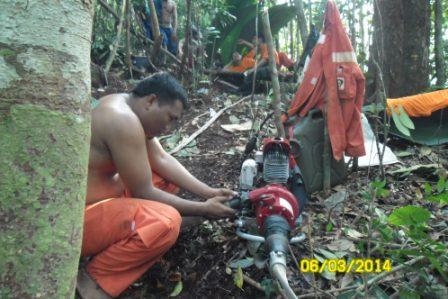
(261, 36)
(165, 86)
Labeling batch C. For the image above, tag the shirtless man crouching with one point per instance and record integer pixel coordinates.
(132, 216)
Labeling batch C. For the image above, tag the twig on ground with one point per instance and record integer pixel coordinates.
(205, 126)
(371, 281)
(394, 270)
(252, 282)
(297, 265)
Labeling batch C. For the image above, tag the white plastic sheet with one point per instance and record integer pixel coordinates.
(372, 157)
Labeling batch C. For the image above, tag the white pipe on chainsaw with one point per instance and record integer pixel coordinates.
(277, 265)
(255, 238)
(249, 237)
(279, 272)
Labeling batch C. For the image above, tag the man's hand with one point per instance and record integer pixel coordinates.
(215, 207)
(223, 192)
(174, 37)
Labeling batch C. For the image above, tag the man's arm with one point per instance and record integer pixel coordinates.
(246, 43)
(169, 168)
(126, 143)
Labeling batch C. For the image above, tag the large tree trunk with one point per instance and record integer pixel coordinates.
(401, 45)
(438, 43)
(44, 144)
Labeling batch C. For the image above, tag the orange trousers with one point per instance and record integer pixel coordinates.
(126, 236)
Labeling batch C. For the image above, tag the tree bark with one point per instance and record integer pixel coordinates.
(158, 38)
(44, 145)
(438, 43)
(303, 26)
(128, 38)
(109, 9)
(186, 54)
(401, 46)
(274, 75)
(113, 52)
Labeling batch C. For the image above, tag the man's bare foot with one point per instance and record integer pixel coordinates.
(87, 288)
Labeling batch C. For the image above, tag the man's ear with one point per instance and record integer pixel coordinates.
(150, 100)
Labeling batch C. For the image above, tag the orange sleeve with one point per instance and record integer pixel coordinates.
(236, 68)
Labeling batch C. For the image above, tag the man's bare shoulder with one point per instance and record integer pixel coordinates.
(113, 117)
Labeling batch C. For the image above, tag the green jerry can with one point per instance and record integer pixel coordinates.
(307, 145)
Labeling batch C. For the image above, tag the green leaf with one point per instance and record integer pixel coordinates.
(329, 227)
(428, 189)
(378, 184)
(435, 262)
(440, 198)
(378, 292)
(396, 118)
(441, 185)
(409, 215)
(404, 118)
(243, 263)
(269, 287)
(6, 52)
(382, 193)
(177, 289)
(409, 294)
(382, 217)
(238, 278)
(386, 233)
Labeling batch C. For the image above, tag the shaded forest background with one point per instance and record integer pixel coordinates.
(407, 39)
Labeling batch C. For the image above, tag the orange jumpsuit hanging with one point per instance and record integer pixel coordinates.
(334, 77)
(126, 236)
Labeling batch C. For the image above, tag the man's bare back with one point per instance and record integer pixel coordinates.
(168, 10)
(103, 180)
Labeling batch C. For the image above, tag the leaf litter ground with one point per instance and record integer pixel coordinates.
(198, 266)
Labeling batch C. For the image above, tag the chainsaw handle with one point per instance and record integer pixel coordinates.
(234, 203)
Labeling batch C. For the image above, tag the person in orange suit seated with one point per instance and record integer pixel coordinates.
(233, 72)
(239, 64)
(261, 61)
(132, 216)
